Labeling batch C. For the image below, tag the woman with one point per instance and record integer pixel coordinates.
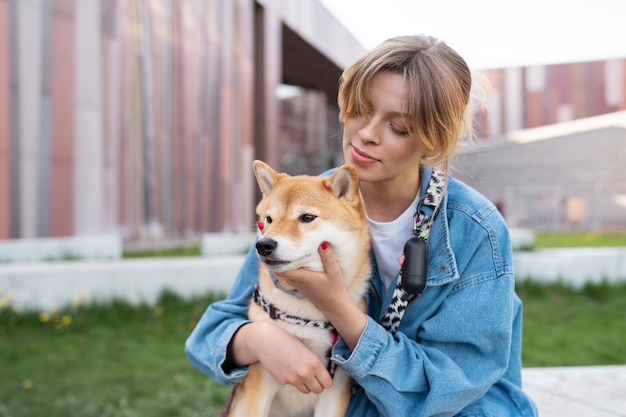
(454, 350)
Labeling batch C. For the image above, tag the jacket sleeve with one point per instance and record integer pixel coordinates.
(207, 344)
(459, 352)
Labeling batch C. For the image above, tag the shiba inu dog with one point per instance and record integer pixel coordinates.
(297, 214)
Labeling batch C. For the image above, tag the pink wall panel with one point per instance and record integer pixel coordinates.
(623, 101)
(5, 127)
(63, 79)
(534, 109)
(177, 120)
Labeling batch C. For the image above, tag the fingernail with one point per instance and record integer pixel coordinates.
(324, 245)
(261, 226)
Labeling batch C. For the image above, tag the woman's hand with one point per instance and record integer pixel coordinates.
(283, 355)
(328, 292)
(321, 288)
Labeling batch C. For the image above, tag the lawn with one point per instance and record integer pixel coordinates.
(113, 359)
(579, 239)
(104, 360)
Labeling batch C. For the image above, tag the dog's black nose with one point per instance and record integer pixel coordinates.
(266, 246)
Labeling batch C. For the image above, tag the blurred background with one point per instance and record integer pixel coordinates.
(141, 118)
(127, 134)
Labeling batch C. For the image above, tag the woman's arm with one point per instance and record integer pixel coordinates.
(453, 344)
(454, 358)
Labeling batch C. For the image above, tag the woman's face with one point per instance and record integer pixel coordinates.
(380, 148)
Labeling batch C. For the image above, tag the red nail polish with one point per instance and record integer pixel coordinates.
(324, 245)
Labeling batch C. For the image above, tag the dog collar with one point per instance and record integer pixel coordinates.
(275, 313)
(280, 286)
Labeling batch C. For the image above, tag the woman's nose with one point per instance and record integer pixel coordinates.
(369, 131)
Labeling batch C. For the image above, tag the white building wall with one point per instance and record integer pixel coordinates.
(29, 64)
(88, 147)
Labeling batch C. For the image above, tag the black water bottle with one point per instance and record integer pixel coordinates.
(414, 266)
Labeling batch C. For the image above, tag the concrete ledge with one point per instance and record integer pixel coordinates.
(522, 239)
(590, 391)
(575, 266)
(217, 244)
(61, 248)
(47, 285)
(43, 285)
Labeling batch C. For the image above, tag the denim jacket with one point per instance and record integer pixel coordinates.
(457, 350)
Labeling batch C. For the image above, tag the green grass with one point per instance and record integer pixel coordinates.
(193, 250)
(567, 327)
(113, 359)
(578, 239)
(104, 360)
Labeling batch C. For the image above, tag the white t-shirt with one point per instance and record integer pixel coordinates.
(388, 239)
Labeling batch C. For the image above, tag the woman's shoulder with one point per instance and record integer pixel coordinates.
(462, 197)
(471, 213)
(474, 221)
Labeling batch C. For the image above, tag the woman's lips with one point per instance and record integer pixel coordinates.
(361, 157)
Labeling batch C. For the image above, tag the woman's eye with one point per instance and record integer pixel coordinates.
(307, 218)
(398, 131)
(268, 220)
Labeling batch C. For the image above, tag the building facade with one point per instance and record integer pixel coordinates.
(528, 97)
(142, 117)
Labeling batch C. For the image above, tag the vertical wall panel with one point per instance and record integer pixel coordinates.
(29, 72)
(165, 111)
(623, 85)
(133, 144)
(211, 155)
(88, 149)
(147, 96)
(579, 89)
(226, 111)
(44, 165)
(112, 114)
(242, 170)
(513, 95)
(156, 18)
(597, 98)
(190, 67)
(614, 84)
(535, 78)
(62, 140)
(5, 122)
(15, 144)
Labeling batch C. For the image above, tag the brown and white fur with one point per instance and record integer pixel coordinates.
(298, 213)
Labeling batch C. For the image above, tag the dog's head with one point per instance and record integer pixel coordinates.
(299, 212)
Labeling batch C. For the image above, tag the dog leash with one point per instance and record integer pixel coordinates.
(421, 232)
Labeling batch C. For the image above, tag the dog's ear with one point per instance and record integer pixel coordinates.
(265, 176)
(345, 184)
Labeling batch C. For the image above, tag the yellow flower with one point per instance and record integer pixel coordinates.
(158, 311)
(44, 317)
(27, 384)
(66, 320)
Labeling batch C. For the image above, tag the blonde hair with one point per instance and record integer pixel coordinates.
(440, 84)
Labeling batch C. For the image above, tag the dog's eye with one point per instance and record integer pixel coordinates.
(307, 218)
(268, 220)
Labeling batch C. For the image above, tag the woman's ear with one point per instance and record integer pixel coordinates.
(432, 154)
